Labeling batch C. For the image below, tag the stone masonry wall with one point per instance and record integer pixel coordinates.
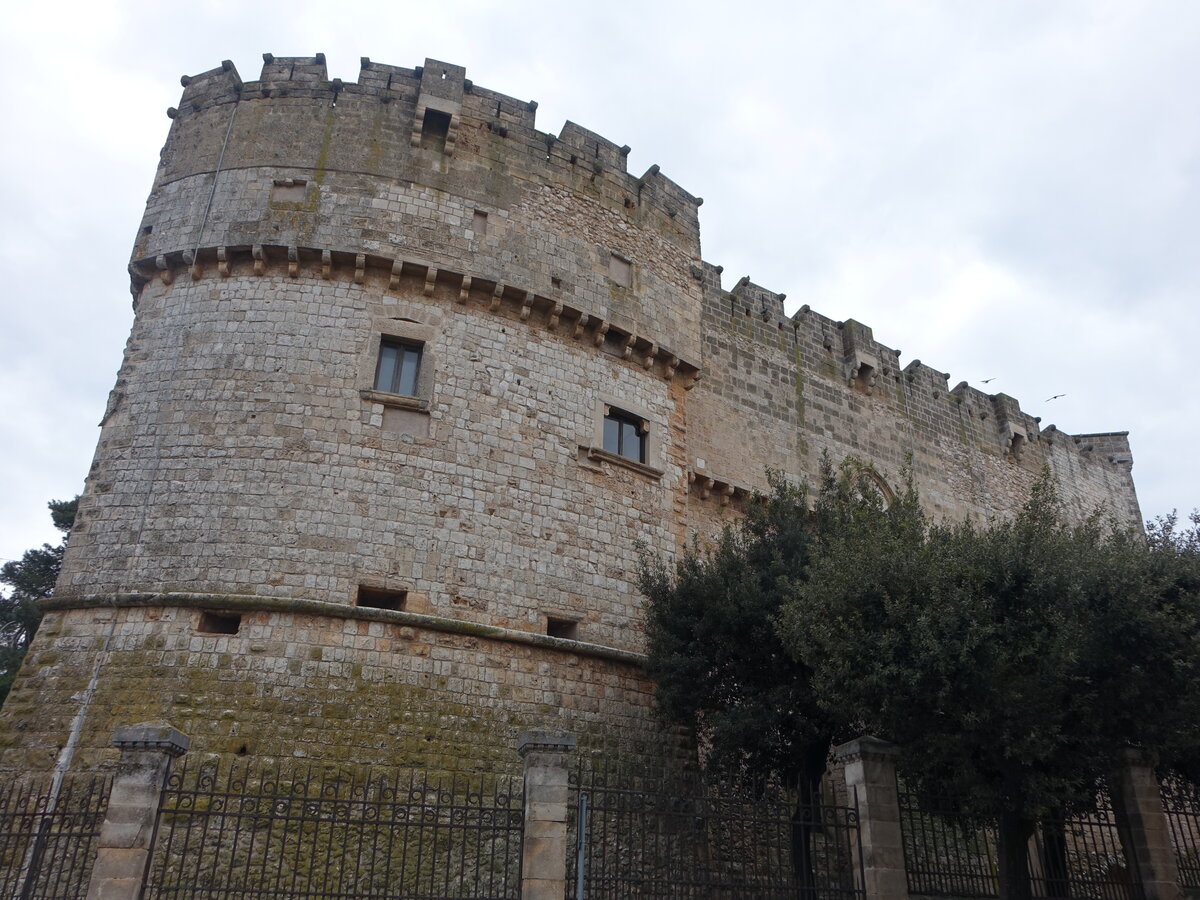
(320, 688)
(250, 479)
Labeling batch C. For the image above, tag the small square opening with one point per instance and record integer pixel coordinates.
(380, 598)
(479, 223)
(435, 128)
(562, 628)
(219, 623)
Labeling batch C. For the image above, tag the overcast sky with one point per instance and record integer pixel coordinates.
(1002, 189)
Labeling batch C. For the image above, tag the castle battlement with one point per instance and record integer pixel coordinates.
(574, 155)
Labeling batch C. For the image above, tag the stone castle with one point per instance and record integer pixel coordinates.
(409, 383)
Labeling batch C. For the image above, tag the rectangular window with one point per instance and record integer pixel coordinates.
(624, 435)
(399, 365)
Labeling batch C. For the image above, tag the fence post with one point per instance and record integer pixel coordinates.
(128, 830)
(544, 843)
(870, 772)
(1137, 802)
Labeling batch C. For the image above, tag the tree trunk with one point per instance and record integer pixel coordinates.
(1053, 847)
(1015, 832)
(806, 822)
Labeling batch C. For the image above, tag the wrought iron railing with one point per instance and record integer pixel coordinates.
(946, 854)
(681, 838)
(281, 830)
(1082, 856)
(48, 835)
(1181, 803)
(949, 854)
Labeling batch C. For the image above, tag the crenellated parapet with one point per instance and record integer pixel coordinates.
(815, 385)
(575, 154)
(422, 162)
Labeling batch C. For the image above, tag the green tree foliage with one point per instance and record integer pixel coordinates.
(719, 665)
(1012, 663)
(30, 578)
(718, 662)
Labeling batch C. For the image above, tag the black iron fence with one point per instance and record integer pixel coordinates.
(1083, 856)
(636, 837)
(948, 854)
(48, 835)
(322, 832)
(1181, 803)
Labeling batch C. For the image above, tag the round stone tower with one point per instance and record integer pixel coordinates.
(352, 496)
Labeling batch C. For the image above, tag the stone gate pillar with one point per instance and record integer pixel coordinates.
(1137, 801)
(147, 751)
(870, 767)
(544, 847)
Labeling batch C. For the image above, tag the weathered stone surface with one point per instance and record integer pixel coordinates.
(247, 467)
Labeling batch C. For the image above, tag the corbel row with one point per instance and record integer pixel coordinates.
(705, 487)
(492, 294)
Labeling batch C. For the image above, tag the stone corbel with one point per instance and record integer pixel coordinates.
(672, 365)
(627, 350)
(164, 271)
(497, 297)
(397, 269)
(430, 281)
(527, 306)
(651, 354)
(189, 257)
(465, 290)
(326, 264)
(580, 324)
(601, 333)
(259, 252)
(555, 314)
(360, 267)
(293, 262)
(693, 381)
(223, 261)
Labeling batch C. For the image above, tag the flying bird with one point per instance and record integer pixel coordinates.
(1055, 397)
(986, 380)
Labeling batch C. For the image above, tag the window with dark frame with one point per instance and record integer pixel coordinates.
(624, 435)
(398, 367)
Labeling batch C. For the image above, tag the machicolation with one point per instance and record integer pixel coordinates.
(409, 382)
